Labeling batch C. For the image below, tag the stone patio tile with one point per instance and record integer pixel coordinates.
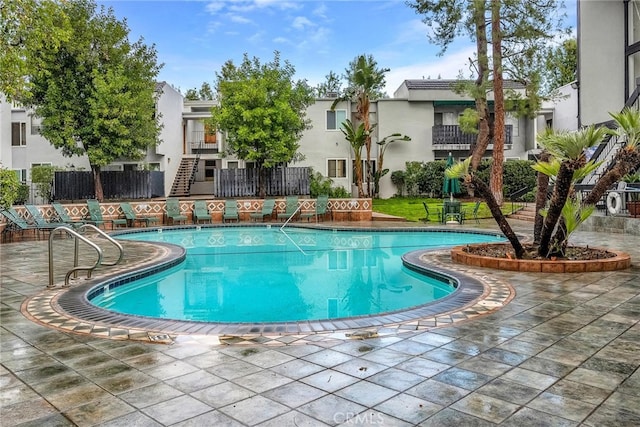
(331, 409)
(131, 419)
(409, 347)
(172, 369)
(27, 410)
(223, 394)
(269, 358)
(327, 358)
(604, 380)
(177, 409)
(211, 418)
(438, 392)
(254, 410)
(546, 366)
(233, 369)
(77, 396)
(290, 419)
(150, 395)
(396, 379)
(509, 391)
(579, 391)
(463, 378)
(484, 366)
(423, 367)
(99, 411)
(209, 359)
(366, 393)
(451, 418)
(149, 360)
(194, 381)
(386, 356)
(560, 406)
(485, 407)
(531, 418)
(448, 357)
(297, 369)
(294, 394)
(16, 394)
(467, 347)
(329, 380)
(360, 368)
(262, 381)
(530, 378)
(432, 339)
(126, 381)
(408, 408)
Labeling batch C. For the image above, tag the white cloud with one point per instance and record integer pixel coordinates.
(301, 22)
(237, 19)
(281, 40)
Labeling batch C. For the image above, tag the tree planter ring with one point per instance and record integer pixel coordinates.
(620, 261)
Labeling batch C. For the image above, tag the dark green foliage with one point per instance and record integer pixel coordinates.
(426, 178)
(320, 185)
(42, 177)
(397, 179)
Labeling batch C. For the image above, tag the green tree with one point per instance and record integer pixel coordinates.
(42, 176)
(560, 65)
(9, 187)
(357, 138)
(96, 93)
(519, 29)
(262, 110)
(365, 84)
(205, 93)
(27, 26)
(332, 85)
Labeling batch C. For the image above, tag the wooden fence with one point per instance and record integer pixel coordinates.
(78, 185)
(244, 182)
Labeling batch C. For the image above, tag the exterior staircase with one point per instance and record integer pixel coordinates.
(184, 177)
(527, 213)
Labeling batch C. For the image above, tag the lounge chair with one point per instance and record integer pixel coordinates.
(473, 213)
(173, 211)
(15, 223)
(290, 210)
(266, 211)
(230, 211)
(322, 209)
(427, 213)
(132, 216)
(201, 212)
(63, 216)
(96, 218)
(40, 222)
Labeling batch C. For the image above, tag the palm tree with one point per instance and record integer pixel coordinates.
(357, 138)
(627, 158)
(569, 149)
(365, 81)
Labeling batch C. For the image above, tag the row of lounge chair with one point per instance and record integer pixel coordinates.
(39, 224)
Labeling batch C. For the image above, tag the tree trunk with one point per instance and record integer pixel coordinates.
(97, 183)
(541, 199)
(358, 172)
(558, 199)
(482, 141)
(363, 112)
(498, 104)
(626, 161)
(486, 193)
(262, 188)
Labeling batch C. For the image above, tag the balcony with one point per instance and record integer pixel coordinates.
(450, 137)
(202, 142)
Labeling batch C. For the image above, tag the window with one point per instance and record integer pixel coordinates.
(130, 167)
(18, 134)
(21, 174)
(232, 165)
(337, 168)
(335, 119)
(365, 170)
(209, 169)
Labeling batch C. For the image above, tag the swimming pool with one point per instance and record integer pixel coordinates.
(264, 274)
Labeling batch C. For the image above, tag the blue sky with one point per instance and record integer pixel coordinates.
(195, 38)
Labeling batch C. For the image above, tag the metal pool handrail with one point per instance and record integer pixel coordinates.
(75, 268)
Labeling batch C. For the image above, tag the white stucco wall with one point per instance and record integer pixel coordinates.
(5, 133)
(600, 59)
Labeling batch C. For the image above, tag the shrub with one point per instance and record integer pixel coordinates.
(319, 184)
(42, 177)
(9, 188)
(397, 179)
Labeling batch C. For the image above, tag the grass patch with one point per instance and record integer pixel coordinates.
(413, 210)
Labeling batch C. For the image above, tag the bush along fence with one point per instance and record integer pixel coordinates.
(78, 185)
(244, 182)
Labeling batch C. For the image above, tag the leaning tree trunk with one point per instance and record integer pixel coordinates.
(558, 199)
(485, 192)
(541, 199)
(626, 161)
(97, 183)
(497, 165)
(482, 141)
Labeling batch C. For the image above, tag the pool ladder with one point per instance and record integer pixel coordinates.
(77, 237)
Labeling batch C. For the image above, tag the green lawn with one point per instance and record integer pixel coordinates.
(413, 210)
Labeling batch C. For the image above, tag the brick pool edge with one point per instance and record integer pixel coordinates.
(620, 261)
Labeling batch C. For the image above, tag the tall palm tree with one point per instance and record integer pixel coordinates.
(357, 138)
(366, 82)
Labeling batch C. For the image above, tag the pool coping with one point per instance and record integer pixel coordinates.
(69, 309)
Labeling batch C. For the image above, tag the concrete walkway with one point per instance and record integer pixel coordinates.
(565, 351)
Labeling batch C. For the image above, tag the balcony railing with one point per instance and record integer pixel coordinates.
(450, 136)
(201, 141)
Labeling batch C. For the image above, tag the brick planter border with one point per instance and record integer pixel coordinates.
(621, 261)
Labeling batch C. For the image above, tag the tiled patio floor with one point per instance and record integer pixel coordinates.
(564, 351)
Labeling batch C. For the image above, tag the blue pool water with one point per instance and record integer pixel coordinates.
(258, 274)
